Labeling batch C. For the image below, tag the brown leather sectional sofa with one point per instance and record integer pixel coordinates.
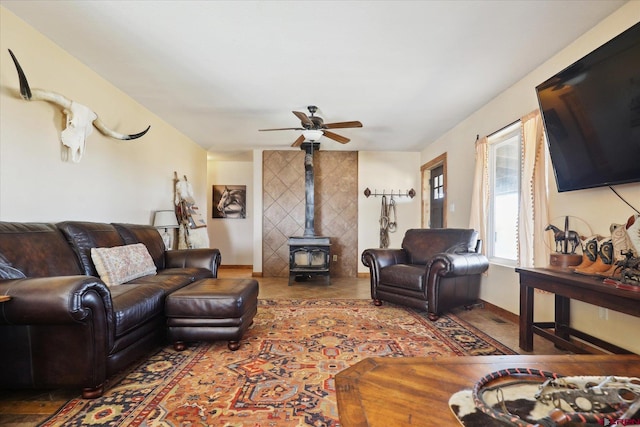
(63, 327)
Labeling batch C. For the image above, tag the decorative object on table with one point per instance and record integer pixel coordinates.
(566, 243)
(527, 397)
(313, 128)
(603, 261)
(613, 253)
(589, 247)
(621, 244)
(564, 237)
(166, 220)
(629, 273)
(79, 118)
(192, 232)
(633, 230)
(230, 201)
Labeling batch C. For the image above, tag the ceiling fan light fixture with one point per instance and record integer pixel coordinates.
(312, 135)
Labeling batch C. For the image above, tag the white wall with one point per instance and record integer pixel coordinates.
(234, 237)
(386, 171)
(597, 207)
(116, 181)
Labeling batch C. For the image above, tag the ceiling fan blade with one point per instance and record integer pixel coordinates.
(303, 118)
(265, 130)
(336, 137)
(343, 125)
(298, 141)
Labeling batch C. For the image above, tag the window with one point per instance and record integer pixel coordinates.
(434, 192)
(504, 183)
(438, 186)
(509, 198)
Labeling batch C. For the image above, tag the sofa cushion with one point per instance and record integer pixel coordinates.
(82, 236)
(167, 282)
(37, 250)
(147, 234)
(421, 244)
(195, 273)
(122, 264)
(404, 276)
(134, 305)
(9, 272)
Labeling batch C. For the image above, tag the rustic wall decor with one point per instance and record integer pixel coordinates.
(230, 201)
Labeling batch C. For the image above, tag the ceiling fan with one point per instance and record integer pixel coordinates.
(314, 127)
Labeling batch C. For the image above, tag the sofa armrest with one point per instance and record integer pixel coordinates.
(381, 258)
(54, 300)
(199, 258)
(376, 260)
(457, 264)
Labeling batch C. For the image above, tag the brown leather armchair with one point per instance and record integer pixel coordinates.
(435, 270)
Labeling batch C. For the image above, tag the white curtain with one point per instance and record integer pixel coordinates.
(533, 210)
(533, 215)
(480, 194)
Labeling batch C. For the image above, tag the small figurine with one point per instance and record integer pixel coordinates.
(629, 268)
(563, 238)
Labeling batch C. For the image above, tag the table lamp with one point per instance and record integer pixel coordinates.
(166, 220)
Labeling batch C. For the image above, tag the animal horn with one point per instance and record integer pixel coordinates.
(113, 134)
(37, 94)
(25, 91)
(41, 95)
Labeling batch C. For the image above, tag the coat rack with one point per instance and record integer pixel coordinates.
(409, 193)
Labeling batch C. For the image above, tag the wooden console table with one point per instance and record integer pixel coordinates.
(567, 286)
(415, 391)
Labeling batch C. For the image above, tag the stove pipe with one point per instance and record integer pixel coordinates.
(309, 190)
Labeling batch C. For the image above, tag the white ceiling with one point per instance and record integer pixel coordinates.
(220, 70)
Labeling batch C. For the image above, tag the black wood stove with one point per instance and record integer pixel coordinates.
(309, 255)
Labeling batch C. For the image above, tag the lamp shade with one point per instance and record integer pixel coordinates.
(312, 135)
(165, 219)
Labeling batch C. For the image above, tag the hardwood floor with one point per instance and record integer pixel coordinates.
(27, 408)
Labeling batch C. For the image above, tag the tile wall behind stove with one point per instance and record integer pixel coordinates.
(336, 207)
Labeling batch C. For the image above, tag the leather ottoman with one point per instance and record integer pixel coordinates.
(211, 310)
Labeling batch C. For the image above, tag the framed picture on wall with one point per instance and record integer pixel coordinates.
(229, 201)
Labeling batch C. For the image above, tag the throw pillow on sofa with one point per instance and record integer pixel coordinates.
(121, 264)
(7, 271)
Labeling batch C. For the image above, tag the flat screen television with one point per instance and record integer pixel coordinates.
(591, 114)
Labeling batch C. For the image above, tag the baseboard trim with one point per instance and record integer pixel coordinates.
(363, 275)
(505, 314)
(235, 267)
(240, 267)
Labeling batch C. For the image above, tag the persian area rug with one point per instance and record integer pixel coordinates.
(282, 375)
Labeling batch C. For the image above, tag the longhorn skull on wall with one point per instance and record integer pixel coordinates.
(79, 117)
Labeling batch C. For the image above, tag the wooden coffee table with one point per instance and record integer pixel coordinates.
(416, 390)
